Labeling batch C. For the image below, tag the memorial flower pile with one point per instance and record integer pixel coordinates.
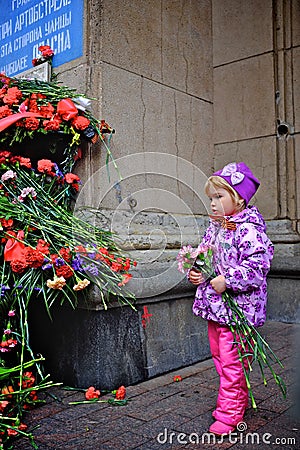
(31, 109)
(47, 253)
(251, 345)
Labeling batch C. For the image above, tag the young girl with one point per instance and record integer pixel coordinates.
(242, 256)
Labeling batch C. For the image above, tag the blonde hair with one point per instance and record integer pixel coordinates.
(214, 182)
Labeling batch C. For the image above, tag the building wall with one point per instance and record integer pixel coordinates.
(188, 86)
(149, 65)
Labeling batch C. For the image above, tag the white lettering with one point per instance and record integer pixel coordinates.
(211, 438)
(28, 38)
(194, 438)
(164, 435)
(59, 43)
(6, 49)
(58, 23)
(6, 29)
(181, 438)
(253, 437)
(15, 66)
(172, 434)
(55, 5)
(15, 4)
(28, 17)
(266, 438)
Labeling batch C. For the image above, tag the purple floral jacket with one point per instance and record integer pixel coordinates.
(243, 256)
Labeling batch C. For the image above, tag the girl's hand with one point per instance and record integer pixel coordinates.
(196, 277)
(218, 284)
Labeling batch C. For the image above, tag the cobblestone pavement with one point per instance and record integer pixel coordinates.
(163, 414)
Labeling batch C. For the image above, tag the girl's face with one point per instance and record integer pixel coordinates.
(221, 202)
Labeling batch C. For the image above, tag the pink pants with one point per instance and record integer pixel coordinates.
(233, 392)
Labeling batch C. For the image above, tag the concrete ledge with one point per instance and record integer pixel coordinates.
(283, 290)
(118, 346)
(286, 266)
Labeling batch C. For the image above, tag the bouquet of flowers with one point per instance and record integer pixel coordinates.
(250, 344)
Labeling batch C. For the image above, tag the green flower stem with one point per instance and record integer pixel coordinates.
(262, 352)
(23, 344)
(251, 346)
(110, 401)
(109, 155)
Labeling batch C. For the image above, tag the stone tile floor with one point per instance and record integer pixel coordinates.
(163, 414)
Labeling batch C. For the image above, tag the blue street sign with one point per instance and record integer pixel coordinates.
(27, 24)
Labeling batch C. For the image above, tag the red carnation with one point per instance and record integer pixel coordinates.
(31, 123)
(3, 405)
(33, 257)
(121, 393)
(125, 278)
(80, 123)
(126, 265)
(47, 110)
(46, 51)
(116, 266)
(28, 380)
(12, 96)
(71, 178)
(80, 249)
(92, 393)
(6, 223)
(5, 154)
(43, 246)
(11, 432)
(65, 253)
(18, 265)
(52, 125)
(25, 162)
(45, 166)
(5, 111)
(64, 271)
(33, 106)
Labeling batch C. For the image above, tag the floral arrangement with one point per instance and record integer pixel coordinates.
(47, 252)
(250, 343)
(32, 109)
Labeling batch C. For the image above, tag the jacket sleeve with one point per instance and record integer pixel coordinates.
(255, 252)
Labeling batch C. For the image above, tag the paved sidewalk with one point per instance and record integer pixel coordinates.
(163, 414)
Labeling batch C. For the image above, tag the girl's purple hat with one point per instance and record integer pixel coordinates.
(240, 178)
